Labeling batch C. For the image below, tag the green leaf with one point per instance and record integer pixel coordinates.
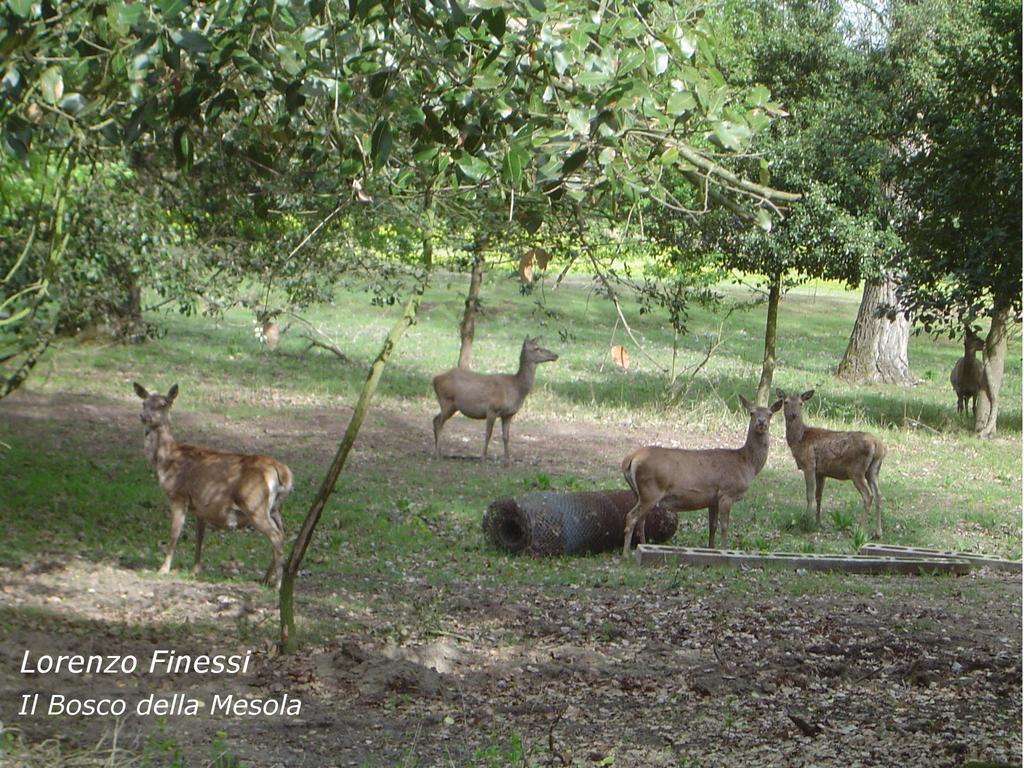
(191, 41)
(579, 121)
(669, 156)
(349, 167)
(380, 143)
(763, 219)
(16, 146)
(426, 154)
(680, 103)
(657, 58)
(474, 168)
(130, 14)
(22, 8)
(758, 96)
(379, 82)
(51, 84)
(183, 152)
(495, 20)
(512, 167)
(73, 104)
(186, 103)
(171, 8)
(574, 161)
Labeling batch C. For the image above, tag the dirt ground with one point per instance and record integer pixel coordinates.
(578, 675)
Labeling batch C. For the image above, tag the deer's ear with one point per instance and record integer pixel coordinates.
(171, 394)
(807, 395)
(747, 404)
(778, 403)
(140, 390)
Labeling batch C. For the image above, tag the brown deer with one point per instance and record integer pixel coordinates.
(482, 396)
(225, 490)
(821, 453)
(690, 479)
(967, 374)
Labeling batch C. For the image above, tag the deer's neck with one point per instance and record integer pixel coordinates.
(525, 375)
(971, 358)
(159, 444)
(794, 431)
(755, 450)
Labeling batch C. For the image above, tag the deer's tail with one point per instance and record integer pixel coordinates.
(629, 472)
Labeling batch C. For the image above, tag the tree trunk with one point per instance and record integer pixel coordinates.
(992, 374)
(877, 350)
(764, 387)
(468, 325)
(286, 603)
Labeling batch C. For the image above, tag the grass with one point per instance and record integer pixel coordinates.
(393, 518)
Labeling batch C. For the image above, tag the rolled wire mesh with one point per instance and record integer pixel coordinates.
(569, 523)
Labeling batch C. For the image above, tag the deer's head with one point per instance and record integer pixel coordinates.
(760, 417)
(793, 405)
(156, 408)
(535, 353)
(973, 343)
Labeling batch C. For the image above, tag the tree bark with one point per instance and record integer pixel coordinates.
(993, 361)
(764, 386)
(286, 602)
(468, 325)
(877, 350)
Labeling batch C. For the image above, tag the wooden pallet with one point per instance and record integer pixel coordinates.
(978, 561)
(651, 554)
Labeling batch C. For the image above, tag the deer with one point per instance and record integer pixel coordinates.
(690, 479)
(821, 453)
(488, 396)
(223, 490)
(967, 374)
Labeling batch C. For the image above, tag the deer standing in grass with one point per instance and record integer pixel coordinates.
(821, 453)
(967, 374)
(690, 479)
(224, 490)
(489, 397)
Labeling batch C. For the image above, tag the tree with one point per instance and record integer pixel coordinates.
(877, 350)
(958, 174)
(829, 149)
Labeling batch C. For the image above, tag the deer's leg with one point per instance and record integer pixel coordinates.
(266, 525)
(873, 483)
(178, 509)
(819, 486)
(488, 431)
(200, 530)
(447, 411)
(724, 505)
(275, 512)
(865, 494)
(634, 516)
(712, 523)
(809, 480)
(959, 403)
(506, 422)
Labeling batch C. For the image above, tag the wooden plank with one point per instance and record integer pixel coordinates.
(978, 561)
(651, 554)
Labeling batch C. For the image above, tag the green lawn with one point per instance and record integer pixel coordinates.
(941, 486)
